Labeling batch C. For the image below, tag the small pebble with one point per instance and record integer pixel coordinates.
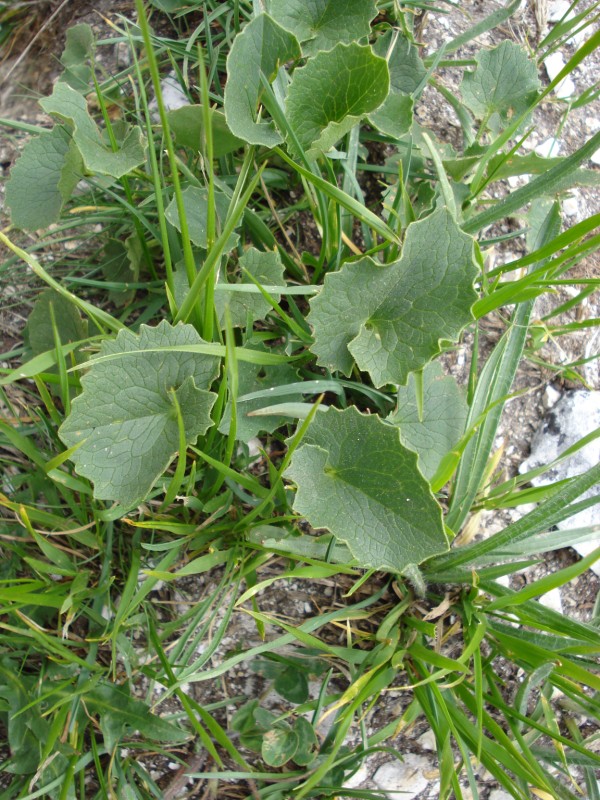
(552, 600)
(403, 776)
(554, 64)
(550, 397)
(570, 207)
(360, 777)
(548, 148)
(595, 159)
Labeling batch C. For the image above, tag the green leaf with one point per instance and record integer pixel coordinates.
(442, 422)
(71, 327)
(244, 308)
(333, 92)
(125, 421)
(407, 72)
(69, 106)
(122, 262)
(258, 50)
(79, 47)
(357, 480)
(390, 319)
(195, 203)
(187, 125)
(253, 378)
(43, 179)
(120, 715)
(279, 745)
(292, 684)
(502, 86)
(321, 24)
(307, 742)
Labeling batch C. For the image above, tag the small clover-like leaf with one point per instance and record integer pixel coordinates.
(259, 50)
(390, 319)
(43, 179)
(321, 24)
(333, 92)
(125, 421)
(503, 85)
(267, 269)
(356, 479)
(68, 105)
(279, 745)
(442, 423)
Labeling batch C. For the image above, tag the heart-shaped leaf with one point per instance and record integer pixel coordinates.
(43, 179)
(126, 419)
(390, 320)
(502, 86)
(356, 479)
(442, 423)
(333, 92)
(321, 24)
(70, 106)
(259, 50)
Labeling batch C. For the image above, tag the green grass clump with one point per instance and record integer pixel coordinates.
(230, 451)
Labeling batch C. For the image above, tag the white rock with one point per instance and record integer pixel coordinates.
(500, 794)
(554, 63)
(172, 94)
(360, 777)
(552, 600)
(574, 416)
(403, 776)
(570, 206)
(559, 9)
(548, 148)
(427, 741)
(595, 159)
(550, 397)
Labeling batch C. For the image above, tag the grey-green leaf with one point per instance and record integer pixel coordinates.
(195, 204)
(43, 179)
(125, 420)
(390, 320)
(442, 423)
(187, 125)
(79, 47)
(407, 71)
(502, 86)
(334, 91)
(267, 269)
(69, 324)
(70, 106)
(254, 378)
(259, 49)
(357, 480)
(321, 24)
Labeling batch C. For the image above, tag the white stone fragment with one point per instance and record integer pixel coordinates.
(500, 794)
(554, 63)
(548, 148)
(172, 94)
(559, 9)
(550, 397)
(595, 159)
(360, 777)
(427, 740)
(552, 600)
(570, 206)
(403, 776)
(575, 415)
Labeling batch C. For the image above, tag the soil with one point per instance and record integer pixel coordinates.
(28, 71)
